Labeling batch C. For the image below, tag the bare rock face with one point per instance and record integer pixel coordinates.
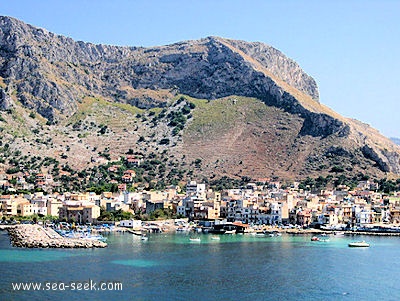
(281, 66)
(6, 102)
(53, 71)
(387, 161)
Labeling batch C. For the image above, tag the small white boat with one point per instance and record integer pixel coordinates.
(338, 233)
(359, 244)
(215, 238)
(97, 237)
(195, 239)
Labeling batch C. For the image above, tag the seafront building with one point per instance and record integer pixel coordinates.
(258, 205)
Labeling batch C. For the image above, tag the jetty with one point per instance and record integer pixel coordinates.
(35, 236)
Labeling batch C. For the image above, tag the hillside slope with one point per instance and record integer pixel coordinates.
(253, 111)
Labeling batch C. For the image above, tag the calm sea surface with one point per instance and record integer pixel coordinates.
(236, 267)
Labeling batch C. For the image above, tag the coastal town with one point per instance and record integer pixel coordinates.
(263, 202)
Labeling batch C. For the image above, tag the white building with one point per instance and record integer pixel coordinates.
(131, 223)
(199, 190)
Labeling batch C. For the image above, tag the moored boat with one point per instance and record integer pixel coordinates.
(195, 239)
(321, 238)
(338, 233)
(358, 244)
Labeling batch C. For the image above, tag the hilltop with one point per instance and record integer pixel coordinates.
(209, 108)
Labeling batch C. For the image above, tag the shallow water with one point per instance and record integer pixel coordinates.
(236, 267)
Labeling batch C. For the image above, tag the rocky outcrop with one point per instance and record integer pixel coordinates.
(6, 102)
(370, 153)
(35, 236)
(322, 125)
(387, 161)
(281, 66)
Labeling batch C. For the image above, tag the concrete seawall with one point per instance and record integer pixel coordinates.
(35, 236)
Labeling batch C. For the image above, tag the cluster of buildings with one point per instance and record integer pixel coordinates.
(250, 205)
(45, 182)
(340, 207)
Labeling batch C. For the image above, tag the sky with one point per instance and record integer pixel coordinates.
(350, 47)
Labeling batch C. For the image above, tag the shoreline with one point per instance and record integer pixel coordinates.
(35, 236)
(332, 232)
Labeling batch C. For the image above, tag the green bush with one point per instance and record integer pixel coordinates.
(164, 141)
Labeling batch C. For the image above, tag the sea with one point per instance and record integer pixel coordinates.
(235, 267)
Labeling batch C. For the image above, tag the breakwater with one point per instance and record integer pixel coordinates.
(35, 236)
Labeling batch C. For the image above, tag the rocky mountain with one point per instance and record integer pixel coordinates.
(395, 140)
(212, 107)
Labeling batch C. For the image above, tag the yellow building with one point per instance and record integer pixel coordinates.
(25, 208)
(53, 206)
(79, 213)
(8, 205)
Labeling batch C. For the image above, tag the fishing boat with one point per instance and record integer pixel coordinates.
(359, 244)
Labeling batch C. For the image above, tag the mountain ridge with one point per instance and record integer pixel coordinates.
(54, 76)
(395, 140)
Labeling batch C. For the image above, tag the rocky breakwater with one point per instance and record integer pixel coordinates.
(35, 236)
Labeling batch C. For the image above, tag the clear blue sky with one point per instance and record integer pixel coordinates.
(351, 48)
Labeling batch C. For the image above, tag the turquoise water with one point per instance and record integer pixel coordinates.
(236, 267)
